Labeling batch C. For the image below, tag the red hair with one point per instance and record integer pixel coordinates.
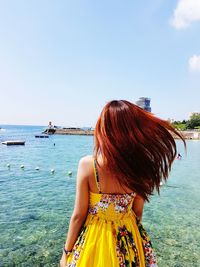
(137, 147)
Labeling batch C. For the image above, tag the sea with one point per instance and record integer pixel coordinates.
(37, 192)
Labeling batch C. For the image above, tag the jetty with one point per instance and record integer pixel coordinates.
(187, 134)
(69, 131)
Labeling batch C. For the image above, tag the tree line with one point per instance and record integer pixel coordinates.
(192, 123)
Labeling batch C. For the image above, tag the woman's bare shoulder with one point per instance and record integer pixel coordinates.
(86, 164)
(86, 160)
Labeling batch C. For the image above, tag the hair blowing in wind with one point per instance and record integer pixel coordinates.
(136, 146)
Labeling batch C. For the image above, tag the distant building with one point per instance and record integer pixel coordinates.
(144, 102)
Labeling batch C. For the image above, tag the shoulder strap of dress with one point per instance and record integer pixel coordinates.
(96, 175)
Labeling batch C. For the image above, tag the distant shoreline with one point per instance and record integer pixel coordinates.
(188, 135)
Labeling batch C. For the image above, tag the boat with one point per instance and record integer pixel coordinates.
(41, 136)
(13, 142)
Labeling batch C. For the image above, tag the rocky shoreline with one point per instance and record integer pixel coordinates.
(188, 135)
(69, 131)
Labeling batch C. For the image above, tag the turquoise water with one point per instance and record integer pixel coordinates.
(36, 205)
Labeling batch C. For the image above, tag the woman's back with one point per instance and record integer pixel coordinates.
(97, 173)
(112, 235)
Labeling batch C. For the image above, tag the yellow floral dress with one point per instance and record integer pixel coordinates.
(112, 236)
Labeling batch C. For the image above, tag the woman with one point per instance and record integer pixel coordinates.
(133, 152)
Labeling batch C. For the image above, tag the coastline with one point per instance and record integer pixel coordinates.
(188, 135)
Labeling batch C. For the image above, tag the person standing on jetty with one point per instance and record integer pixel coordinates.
(133, 152)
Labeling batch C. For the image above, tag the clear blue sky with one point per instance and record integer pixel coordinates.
(63, 60)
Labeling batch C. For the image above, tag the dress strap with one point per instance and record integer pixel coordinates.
(96, 175)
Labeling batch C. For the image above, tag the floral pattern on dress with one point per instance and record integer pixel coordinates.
(78, 247)
(149, 254)
(121, 203)
(125, 244)
(128, 255)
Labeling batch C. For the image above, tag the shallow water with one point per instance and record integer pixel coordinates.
(36, 205)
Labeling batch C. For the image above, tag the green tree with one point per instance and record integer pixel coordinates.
(180, 125)
(193, 122)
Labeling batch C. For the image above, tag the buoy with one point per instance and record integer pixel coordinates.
(8, 165)
(69, 173)
(37, 168)
(22, 166)
(161, 183)
(52, 170)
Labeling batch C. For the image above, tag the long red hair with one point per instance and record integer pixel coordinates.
(137, 147)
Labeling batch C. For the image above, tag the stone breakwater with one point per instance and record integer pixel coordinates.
(69, 131)
(74, 132)
(189, 135)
